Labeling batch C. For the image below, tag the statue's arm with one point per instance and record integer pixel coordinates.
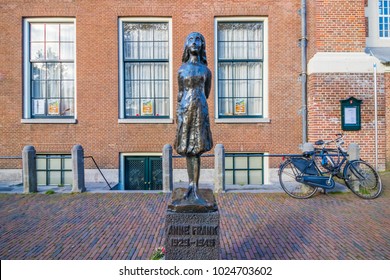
(181, 87)
(207, 87)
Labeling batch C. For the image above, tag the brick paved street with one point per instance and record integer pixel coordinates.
(253, 226)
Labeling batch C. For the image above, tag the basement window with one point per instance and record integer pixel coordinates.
(54, 170)
(244, 169)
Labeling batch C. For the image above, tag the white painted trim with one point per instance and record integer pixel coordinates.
(145, 121)
(121, 70)
(265, 64)
(27, 114)
(372, 12)
(122, 73)
(243, 120)
(48, 120)
(343, 62)
(26, 71)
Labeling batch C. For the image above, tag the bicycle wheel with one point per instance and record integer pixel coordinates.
(287, 178)
(363, 180)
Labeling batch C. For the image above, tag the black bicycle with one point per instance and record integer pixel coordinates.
(301, 176)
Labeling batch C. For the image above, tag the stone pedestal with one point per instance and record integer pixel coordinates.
(78, 169)
(30, 184)
(192, 235)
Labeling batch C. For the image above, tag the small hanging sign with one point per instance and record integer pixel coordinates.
(350, 114)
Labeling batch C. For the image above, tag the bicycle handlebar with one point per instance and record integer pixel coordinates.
(339, 142)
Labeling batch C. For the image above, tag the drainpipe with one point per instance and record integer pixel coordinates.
(376, 118)
(303, 45)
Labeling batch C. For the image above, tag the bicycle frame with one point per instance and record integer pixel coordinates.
(327, 153)
(324, 179)
(361, 178)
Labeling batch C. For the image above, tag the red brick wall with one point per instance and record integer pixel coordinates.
(340, 25)
(97, 129)
(326, 91)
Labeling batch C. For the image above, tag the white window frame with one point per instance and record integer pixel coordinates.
(372, 13)
(265, 118)
(122, 118)
(27, 114)
(383, 16)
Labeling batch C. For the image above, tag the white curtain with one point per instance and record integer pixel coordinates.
(240, 79)
(146, 81)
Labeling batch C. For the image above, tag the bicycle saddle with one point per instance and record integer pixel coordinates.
(308, 154)
(319, 142)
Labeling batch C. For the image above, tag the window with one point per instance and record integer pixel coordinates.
(244, 169)
(384, 14)
(49, 68)
(145, 69)
(240, 68)
(377, 14)
(54, 170)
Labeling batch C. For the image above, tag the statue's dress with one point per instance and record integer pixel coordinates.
(193, 135)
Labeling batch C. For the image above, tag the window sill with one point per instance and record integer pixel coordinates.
(145, 121)
(49, 121)
(243, 120)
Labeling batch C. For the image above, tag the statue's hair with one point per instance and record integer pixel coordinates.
(186, 52)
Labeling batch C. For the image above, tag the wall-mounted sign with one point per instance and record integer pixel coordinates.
(350, 114)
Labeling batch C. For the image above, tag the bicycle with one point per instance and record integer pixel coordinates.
(301, 176)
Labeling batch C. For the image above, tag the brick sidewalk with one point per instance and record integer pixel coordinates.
(253, 226)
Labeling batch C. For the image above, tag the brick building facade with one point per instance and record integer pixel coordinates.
(114, 124)
(342, 66)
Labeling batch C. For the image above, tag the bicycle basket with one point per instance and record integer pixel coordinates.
(305, 166)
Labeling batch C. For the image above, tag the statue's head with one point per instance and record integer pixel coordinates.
(195, 44)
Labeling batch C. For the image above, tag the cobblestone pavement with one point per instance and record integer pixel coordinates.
(253, 226)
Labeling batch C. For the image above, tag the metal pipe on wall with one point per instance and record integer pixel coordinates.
(376, 118)
(303, 44)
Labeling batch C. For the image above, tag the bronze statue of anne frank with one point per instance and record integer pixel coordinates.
(193, 134)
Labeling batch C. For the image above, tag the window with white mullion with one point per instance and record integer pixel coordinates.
(51, 59)
(384, 18)
(146, 69)
(240, 59)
